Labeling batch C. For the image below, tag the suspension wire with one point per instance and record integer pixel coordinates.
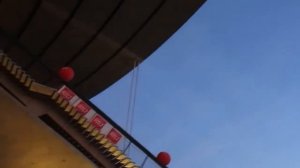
(128, 119)
(134, 95)
(132, 99)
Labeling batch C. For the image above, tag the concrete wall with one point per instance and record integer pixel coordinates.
(26, 141)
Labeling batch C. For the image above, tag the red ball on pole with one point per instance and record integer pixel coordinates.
(163, 158)
(66, 73)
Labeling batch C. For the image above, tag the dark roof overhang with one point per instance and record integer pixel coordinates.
(101, 40)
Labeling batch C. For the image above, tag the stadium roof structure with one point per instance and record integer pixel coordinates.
(101, 40)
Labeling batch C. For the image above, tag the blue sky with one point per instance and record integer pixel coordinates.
(224, 91)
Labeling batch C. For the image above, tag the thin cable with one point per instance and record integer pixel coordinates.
(130, 98)
(134, 95)
(127, 120)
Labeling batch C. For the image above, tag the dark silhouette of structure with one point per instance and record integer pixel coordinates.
(101, 40)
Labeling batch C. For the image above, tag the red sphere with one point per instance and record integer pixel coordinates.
(163, 158)
(66, 74)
